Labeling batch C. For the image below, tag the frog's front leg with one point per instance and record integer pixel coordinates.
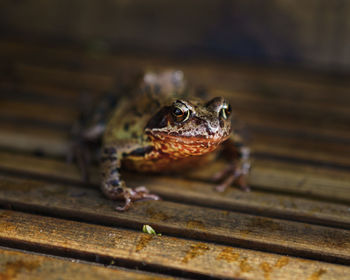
(112, 185)
(239, 165)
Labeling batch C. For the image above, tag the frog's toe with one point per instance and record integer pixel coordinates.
(141, 189)
(232, 175)
(127, 205)
(142, 193)
(139, 193)
(222, 174)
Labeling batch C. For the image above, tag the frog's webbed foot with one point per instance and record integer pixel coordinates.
(232, 174)
(235, 172)
(112, 185)
(131, 195)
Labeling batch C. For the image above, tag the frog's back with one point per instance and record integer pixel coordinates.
(127, 122)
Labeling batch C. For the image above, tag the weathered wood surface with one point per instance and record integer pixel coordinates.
(229, 227)
(304, 130)
(202, 193)
(16, 264)
(165, 252)
(264, 141)
(299, 206)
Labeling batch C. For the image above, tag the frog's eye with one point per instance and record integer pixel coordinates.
(225, 111)
(180, 112)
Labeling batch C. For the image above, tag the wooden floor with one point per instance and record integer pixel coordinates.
(293, 225)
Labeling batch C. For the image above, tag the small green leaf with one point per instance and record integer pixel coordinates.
(148, 229)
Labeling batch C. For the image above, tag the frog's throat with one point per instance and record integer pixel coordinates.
(185, 146)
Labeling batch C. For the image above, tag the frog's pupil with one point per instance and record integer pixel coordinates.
(178, 112)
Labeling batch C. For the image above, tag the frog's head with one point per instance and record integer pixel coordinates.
(190, 127)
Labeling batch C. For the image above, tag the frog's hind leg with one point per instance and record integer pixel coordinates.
(112, 185)
(87, 131)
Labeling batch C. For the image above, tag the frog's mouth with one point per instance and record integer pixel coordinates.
(184, 146)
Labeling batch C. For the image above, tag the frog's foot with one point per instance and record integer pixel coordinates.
(233, 173)
(131, 195)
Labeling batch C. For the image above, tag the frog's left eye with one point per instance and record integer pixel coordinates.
(180, 112)
(225, 111)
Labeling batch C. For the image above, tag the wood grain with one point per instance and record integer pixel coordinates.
(266, 145)
(254, 120)
(36, 112)
(306, 184)
(189, 221)
(299, 205)
(157, 251)
(33, 138)
(287, 82)
(16, 264)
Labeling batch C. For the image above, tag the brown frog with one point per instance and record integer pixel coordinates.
(159, 128)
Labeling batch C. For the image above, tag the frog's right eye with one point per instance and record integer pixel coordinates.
(180, 112)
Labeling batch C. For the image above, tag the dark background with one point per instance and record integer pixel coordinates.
(309, 34)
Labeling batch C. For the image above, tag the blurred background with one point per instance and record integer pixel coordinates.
(284, 65)
(310, 34)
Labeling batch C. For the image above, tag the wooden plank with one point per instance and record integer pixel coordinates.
(304, 84)
(11, 90)
(164, 252)
(63, 78)
(66, 110)
(283, 177)
(264, 177)
(84, 80)
(321, 152)
(15, 264)
(254, 119)
(36, 112)
(30, 138)
(221, 226)
(259, 122)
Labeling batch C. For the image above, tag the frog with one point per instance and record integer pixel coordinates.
(161, 126)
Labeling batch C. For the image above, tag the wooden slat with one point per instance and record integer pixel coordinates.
(30, 138)
(267, 176)
(274, 235)
(9, 88)
(159, 251)
(81, 80)
(66, 110)
(288, 83)
(261, 121)
(64, 78)
(37, 112)
(16, 264)
(35, 140)
(273, 176)
(223, 72)
(321, 152)
(294, 208)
